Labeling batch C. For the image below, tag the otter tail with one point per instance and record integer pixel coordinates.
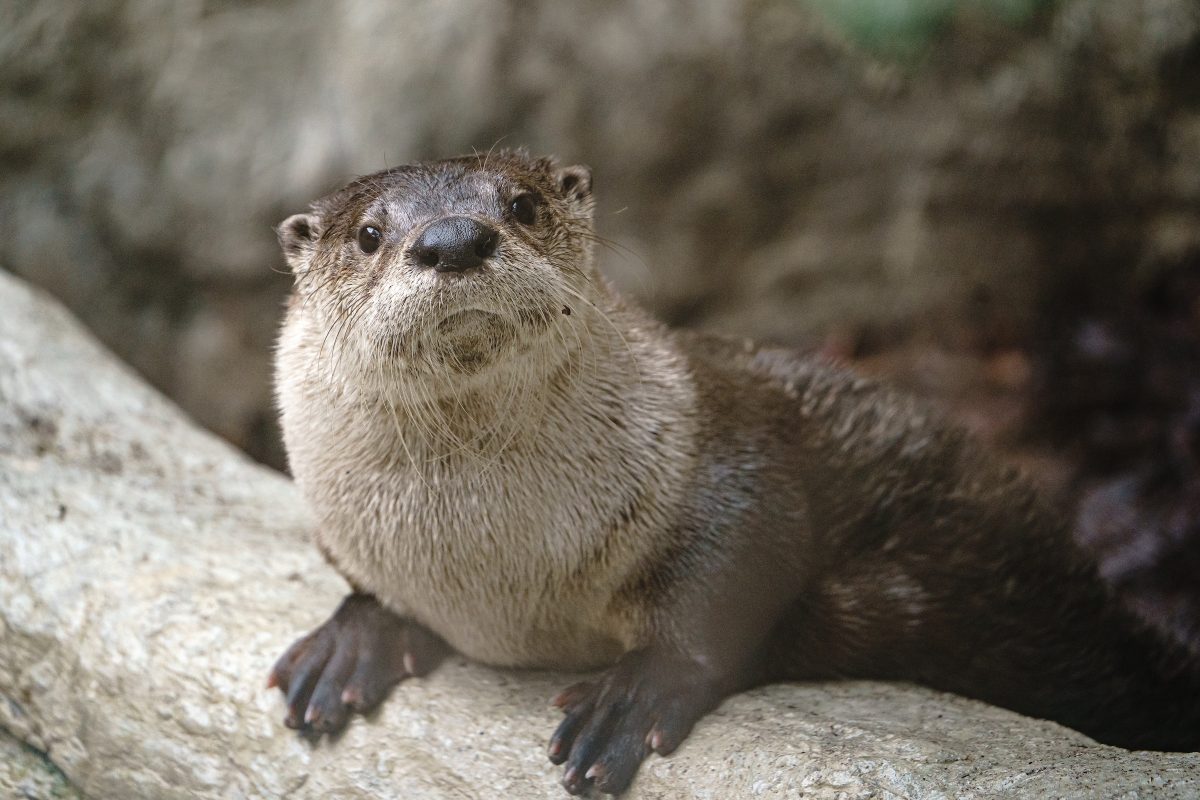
(1098, 669)
(1019, 627)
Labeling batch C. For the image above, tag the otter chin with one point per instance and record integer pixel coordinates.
(467, 341)
(508, 460)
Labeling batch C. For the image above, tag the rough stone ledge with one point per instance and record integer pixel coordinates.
(149, 574)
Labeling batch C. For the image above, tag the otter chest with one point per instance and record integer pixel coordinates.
(497, 558)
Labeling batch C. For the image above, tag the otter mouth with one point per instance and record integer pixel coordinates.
(467, 341)
(468, 322)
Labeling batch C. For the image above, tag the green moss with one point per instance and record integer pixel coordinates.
(905, 27)
(27, 773)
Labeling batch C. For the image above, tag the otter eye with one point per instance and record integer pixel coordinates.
(369, 238)
(524, 208)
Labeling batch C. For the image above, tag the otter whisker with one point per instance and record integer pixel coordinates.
(401, 434)
(625, 342)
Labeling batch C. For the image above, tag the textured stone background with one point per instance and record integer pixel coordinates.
(780, 168)
(150, 574)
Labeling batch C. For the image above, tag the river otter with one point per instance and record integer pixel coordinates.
(508, 459)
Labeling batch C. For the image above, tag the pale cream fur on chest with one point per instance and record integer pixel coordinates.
(514, 559)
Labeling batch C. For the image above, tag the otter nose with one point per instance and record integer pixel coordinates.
(453, 244)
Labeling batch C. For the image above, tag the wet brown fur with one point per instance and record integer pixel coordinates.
(746, 512)
(923, 558)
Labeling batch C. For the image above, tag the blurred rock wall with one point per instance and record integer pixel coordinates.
(763, 166)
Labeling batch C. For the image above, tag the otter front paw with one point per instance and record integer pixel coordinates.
(648, 702)
(350, 662)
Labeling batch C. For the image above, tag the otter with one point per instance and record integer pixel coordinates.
(509, 460)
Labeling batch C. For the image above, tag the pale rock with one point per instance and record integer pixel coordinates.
(150, 574)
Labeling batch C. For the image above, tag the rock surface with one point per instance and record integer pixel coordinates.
(149, 574)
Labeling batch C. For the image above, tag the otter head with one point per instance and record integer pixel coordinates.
(441, 276)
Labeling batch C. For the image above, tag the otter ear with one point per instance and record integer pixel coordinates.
(298, 237)
(575, 182)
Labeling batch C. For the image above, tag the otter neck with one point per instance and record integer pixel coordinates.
(582, 363)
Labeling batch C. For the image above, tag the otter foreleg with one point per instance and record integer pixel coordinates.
(647, 703)
(704, 642)
(350, 662)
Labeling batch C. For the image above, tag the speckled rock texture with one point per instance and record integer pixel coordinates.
(149, 575)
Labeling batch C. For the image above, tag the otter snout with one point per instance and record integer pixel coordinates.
(454, 244)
